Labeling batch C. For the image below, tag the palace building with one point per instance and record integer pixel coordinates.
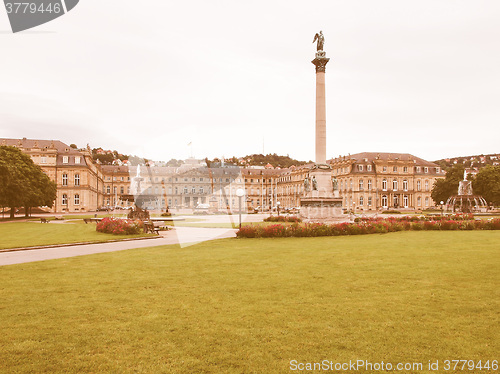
(365, 181)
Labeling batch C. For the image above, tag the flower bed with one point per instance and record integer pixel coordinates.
(379, 226)
(119, 226)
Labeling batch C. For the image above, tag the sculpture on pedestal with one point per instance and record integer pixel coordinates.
(320, 41)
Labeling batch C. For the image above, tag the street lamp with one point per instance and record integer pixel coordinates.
(278, 207)
(240, 193)
(442, 204)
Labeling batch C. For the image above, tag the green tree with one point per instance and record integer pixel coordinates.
(444, 188)
(22, 182)
(487, 184)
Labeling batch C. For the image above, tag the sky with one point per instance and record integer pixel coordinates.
(235, 77)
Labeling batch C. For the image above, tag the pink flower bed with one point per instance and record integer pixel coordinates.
(119, 226)
(378, 226)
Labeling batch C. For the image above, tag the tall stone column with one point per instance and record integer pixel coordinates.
(320, 62)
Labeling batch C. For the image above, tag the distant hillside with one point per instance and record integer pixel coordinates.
(260, 160)
(477, 162)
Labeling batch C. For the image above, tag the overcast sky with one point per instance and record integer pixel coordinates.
(235, 77)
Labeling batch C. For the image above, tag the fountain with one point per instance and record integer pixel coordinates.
(466, 201)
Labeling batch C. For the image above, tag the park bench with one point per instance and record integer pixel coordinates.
(44, 220)
(149, 227)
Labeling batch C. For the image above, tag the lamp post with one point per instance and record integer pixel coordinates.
(442, 204)
(240, 193)
(278, 207)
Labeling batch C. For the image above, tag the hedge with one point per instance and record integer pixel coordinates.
(362, 228)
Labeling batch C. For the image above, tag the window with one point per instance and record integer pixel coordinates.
(384, 169)
(419, 185)
(384, 184)
(417, 169)
(369, 167)
(65, 159)
(369, 184)
(128, 190)
(360, 167)
(185, 179)
(361, 200)
(405, 169)
(193, 189)
(437, 170)
(405, 201)
(201, 190)
(426, 185)
(361, 184)
(369, 201)
(114, 190)
(77, 179)
(193, 179)
(405, 185)
(201, 179)
(77, 160)
(384, 201)
(122, 190)
(108, 189)
(185, 190)
(426, 169)
(64, 199)
(227, 180)
(77, 199)
(395, 169)
(170, 191)
(395, 184)
(43, 160)
(427, 201)
(419, 201)
(65, 179)
(176, 192)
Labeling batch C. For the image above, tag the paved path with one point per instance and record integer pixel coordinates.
(183, 236)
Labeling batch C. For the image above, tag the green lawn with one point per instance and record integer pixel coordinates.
(27, 234)
(253, 305)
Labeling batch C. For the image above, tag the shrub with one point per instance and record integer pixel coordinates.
(282, 219)
(366, 226)
(117, 226)
(391, 212)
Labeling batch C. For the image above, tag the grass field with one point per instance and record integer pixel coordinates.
(253, 305)
(28, 234)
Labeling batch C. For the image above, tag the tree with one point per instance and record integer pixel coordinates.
(22, 182)
(444, 188)
(487, 184)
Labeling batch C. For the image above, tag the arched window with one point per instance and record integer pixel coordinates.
(419, 201)
(395, 184)
(384, 201)
(77, 199)
(64, 199)
(65, 179)
(77, 179)
(384, 185)
(405, 185)
(405, 201)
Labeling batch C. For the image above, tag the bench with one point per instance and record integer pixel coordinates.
(44, 220)
(149, 227)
